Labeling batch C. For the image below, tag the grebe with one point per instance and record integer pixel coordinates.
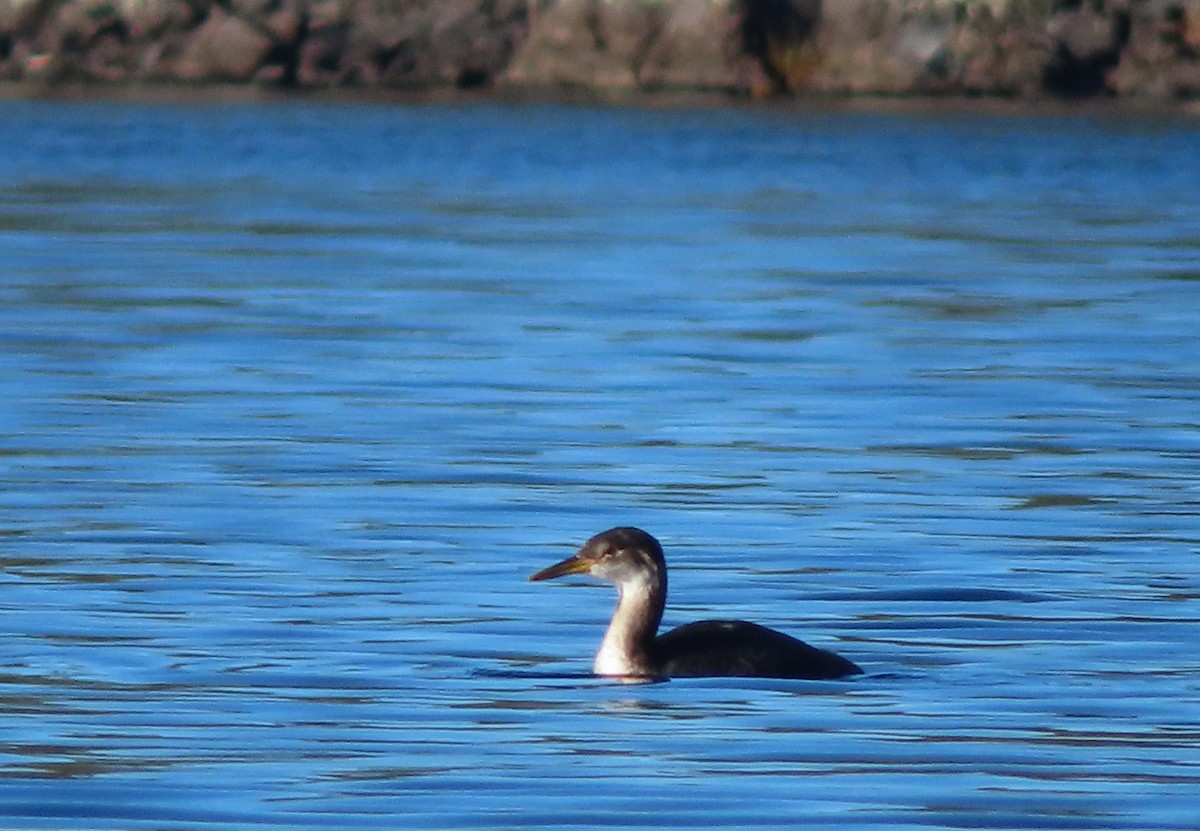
(633, 560)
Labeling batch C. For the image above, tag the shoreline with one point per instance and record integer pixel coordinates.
(780, 54)
(174, 94)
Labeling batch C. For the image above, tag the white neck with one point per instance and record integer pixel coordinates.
(631, 632)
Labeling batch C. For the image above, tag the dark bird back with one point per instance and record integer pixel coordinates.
(740, 648)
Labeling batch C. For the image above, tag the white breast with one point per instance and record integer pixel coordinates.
(611, 660)
(620, 651)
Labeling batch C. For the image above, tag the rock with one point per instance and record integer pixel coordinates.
(1145, 48)
(1145, 62)
(861, 48)
(22, 17)
(1082, 33)
(780, 36)
(1162, 57)
(697, 46)
(464, 43)
(285, 25)
(110, 59)
(320, 54)
(254, 10)
(901, 47)
(148, 19)
(84, 39)
(1007, 62)
(1087, 45)
(75, 24)
(224, 48)
(586, 44)
(1184, 80)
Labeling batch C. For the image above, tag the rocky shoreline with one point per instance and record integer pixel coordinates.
(1025, 50)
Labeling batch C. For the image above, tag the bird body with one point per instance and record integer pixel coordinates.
(741, 648)
(633, 560)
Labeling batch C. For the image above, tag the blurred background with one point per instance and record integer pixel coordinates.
(1145, 50)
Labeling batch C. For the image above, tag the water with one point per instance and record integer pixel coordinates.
(297, 396)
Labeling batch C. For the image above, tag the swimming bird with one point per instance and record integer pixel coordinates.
(633, 559)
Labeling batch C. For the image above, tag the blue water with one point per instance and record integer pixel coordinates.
(296, 396)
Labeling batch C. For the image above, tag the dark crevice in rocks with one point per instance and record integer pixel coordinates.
(472, 78)
(285, 53)
(774, 32)
(1077, 72)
